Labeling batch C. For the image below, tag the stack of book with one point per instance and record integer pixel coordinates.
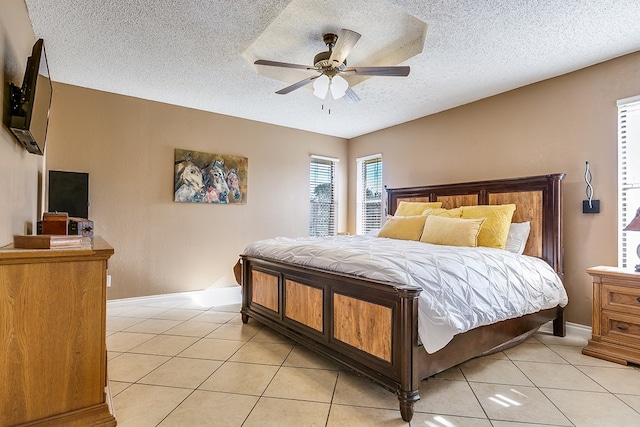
(46, 241)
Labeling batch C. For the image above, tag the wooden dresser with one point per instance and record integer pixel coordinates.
(53, 357)
(615, 316)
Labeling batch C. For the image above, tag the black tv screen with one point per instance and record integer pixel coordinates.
(69, 192)
(30, 103)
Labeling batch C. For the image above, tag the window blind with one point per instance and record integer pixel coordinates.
(369, 193)
(322, 196)
(628, 178)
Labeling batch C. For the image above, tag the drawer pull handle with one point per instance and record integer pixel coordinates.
(622, 327)
(638, 299)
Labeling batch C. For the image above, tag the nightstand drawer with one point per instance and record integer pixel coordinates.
(621, 327)
(622, 299)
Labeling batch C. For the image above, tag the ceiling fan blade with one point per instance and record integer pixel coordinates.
(401, 71)
(283, 64)
(350, 96)
(347, 39)
(298, 85)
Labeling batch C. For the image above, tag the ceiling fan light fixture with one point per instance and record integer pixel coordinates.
(321, 86)
(338, 87)
(331, 63)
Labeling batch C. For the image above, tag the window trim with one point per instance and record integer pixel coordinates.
(361, 227)
(332, 227)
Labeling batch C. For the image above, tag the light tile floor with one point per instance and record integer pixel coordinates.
(175, 363)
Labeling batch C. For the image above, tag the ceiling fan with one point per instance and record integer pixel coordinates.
(331, 64)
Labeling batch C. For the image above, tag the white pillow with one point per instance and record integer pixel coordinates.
(373, 232)
(517, 237)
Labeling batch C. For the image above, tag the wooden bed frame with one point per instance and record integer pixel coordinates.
(370, 326)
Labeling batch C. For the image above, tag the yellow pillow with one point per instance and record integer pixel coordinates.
(495, 229)
(441, 230)
(414, 208)
(403, 227)
(451, 213)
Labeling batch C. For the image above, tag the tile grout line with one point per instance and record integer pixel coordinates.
(538, 388)
(192, 390)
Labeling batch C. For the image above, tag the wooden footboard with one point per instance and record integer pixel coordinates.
(335, 315)
(367, 326)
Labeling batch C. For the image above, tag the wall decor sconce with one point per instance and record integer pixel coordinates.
(634, 225)
(589, 206)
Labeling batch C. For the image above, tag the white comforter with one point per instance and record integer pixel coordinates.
(463, 288)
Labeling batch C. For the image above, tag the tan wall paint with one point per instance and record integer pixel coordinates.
(20, 171)
(127, 147)
(552, 126)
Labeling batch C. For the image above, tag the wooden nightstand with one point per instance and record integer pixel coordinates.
(615, 316)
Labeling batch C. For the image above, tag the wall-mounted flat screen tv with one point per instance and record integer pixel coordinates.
(69, 192)
(30, 103)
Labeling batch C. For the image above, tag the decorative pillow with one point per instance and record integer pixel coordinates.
(451, 213)
(441, 230)
(496, 227)
(414, 208)
(403, 227)
(517, 237)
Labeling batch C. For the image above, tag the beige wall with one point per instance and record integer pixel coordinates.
(552, 126)
(127, 147)
(19, 170)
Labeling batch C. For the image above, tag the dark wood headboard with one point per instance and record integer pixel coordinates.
(538, 199)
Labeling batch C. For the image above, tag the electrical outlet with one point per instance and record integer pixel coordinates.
(108, 280)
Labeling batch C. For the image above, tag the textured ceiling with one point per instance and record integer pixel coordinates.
(401, 39)
(199, 53)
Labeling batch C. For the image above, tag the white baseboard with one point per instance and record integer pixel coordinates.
(207, 297)
(571, 327)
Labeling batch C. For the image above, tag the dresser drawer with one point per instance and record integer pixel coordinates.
(621, 327)
(622, 299)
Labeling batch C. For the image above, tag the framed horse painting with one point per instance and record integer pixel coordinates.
(209, 178)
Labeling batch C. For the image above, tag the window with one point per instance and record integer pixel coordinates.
(369, 193)
(322, 196)
(628, 178)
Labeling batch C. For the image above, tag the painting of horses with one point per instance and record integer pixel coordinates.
(209, 178)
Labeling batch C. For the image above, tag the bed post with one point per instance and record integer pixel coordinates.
(556, 243)
(408, 392)
(559, 326)
(241, 271)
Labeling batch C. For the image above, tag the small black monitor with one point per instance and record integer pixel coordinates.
(69, 192)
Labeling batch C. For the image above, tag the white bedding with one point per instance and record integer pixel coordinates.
(463, 288)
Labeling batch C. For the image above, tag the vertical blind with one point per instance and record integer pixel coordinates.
(369, 194)
(628, 177)
(322, 196)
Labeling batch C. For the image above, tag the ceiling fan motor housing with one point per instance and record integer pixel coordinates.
(322, 59)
